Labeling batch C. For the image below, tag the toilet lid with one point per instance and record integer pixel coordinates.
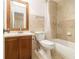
(40, 35)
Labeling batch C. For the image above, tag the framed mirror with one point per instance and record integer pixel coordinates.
(17, 15)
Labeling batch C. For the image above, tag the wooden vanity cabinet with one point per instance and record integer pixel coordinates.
(25, 47)
(11, 48)
(18, 47)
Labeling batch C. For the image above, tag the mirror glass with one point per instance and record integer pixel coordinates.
(17, 15)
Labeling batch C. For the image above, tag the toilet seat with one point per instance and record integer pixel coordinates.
(47, 44)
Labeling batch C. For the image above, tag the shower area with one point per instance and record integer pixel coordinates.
(56, 18)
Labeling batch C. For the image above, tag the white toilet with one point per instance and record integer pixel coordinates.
(48, 45)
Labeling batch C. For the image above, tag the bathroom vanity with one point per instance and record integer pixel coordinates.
(18, 46)
(18, 42)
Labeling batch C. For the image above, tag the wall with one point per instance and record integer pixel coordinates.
(36, 15)
(65, 20)
(36, 23)
(36, 7)
(4, 12)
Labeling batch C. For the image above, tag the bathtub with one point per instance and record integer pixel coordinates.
(64, 49)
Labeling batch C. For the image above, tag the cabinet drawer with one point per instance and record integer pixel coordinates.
(25, 37)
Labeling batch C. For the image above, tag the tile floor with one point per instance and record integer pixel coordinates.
(39, 54)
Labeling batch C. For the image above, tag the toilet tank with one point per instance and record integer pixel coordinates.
(40, 35)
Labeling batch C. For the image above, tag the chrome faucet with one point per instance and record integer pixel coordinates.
(20, 29)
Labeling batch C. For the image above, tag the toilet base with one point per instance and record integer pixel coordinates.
(48, 51)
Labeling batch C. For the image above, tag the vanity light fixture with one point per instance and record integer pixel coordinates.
(25, 0)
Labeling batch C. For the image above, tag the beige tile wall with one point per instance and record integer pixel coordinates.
(64, 27)
(66, 20)
(36, 23)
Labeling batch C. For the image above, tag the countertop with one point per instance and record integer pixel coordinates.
(16, 33)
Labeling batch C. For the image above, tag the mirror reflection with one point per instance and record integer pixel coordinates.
(17, 15)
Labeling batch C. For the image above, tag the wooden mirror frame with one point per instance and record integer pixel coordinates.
(8, 16)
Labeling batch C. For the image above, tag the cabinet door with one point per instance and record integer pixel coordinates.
(11, 48)
(25, 47)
